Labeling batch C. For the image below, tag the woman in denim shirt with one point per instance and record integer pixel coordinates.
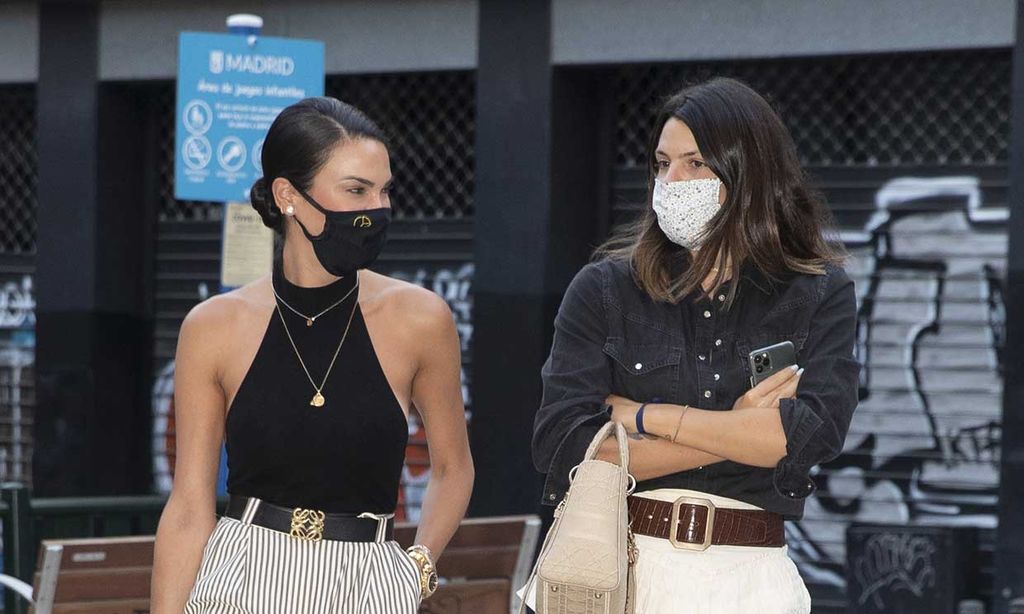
(729, 256)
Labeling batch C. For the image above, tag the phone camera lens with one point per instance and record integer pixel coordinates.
(757, 359)
(760, 369)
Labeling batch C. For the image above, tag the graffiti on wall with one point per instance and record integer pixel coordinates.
(163, 429)
(17, 340)
(452, 284)
(17, 304)
(892, 563)
(16, 363)
(923, 446)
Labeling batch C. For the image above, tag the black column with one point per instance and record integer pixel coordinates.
(1009, 555)
(92, 335)
(538, 204)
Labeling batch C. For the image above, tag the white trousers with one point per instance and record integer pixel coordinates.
(719, 580)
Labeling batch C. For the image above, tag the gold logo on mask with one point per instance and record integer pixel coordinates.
(363, 221)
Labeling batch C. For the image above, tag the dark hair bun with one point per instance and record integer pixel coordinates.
(263, 202)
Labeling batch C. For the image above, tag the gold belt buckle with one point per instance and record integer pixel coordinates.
(709, 527)
(308, 525)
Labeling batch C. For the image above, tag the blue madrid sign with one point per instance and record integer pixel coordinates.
(230, 89)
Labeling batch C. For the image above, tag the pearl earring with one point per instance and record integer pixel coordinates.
(290, 210)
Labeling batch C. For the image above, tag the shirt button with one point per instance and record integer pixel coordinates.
(718, 342)
(701, 357)
(707, 314)
(551, 497)
(639, 366)
(721, 297)
(701, 467)
(717, 377)
(707, 394)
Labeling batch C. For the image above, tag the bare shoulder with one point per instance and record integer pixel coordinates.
(410, 305)
(213, 321)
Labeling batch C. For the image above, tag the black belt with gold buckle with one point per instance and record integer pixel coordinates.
(310, 524)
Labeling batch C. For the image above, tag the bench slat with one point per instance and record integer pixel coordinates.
(110, 606)
(508, 533)
(101, 553)
(103, 584)
(471, 597)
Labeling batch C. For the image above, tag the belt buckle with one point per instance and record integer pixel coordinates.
(308, 525)
(673, 531)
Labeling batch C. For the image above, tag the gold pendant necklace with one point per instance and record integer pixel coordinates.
(311, 319)
(318, 399)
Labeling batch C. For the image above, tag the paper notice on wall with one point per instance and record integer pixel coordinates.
(248, 246)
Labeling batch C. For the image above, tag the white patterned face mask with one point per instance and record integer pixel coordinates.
(684, 208)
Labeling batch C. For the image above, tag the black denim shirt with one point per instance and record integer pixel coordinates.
(611, 337)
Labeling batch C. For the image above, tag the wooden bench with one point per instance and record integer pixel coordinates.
(108, 575)
(488, 559)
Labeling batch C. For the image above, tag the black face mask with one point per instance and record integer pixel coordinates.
(351, 240)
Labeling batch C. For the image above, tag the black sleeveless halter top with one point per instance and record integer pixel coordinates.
(343, 457)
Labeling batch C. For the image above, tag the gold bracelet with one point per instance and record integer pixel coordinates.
(421, 549)
(680, 422)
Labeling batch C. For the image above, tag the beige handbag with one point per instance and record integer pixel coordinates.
(586, 563)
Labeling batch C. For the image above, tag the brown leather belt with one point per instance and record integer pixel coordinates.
(693, 523)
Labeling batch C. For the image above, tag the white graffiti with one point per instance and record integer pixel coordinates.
(923, 447)
(17, 304)
(16, 451)
(894, 562)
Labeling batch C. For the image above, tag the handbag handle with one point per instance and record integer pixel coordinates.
(619, 432)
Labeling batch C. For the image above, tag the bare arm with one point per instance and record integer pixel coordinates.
(188, 518)
(651, 457)
(750, 437)
(750, 434)
(437, 395)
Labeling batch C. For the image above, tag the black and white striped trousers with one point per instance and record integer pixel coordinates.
(248, 569)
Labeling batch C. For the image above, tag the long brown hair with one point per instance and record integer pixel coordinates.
(771, 218)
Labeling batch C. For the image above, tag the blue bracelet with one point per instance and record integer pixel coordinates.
(640, 419)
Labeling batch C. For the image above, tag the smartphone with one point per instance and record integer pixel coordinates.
(769, 360)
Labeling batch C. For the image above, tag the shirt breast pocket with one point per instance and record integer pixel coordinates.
(644, 372)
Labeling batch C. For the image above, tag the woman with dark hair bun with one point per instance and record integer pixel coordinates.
(672, 332)
(309, 375)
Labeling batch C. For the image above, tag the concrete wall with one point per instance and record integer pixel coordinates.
(606, 31)
(138, 40)
(19, 42)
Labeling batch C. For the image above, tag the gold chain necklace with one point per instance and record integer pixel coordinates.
(318, 399)
(311, 319)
